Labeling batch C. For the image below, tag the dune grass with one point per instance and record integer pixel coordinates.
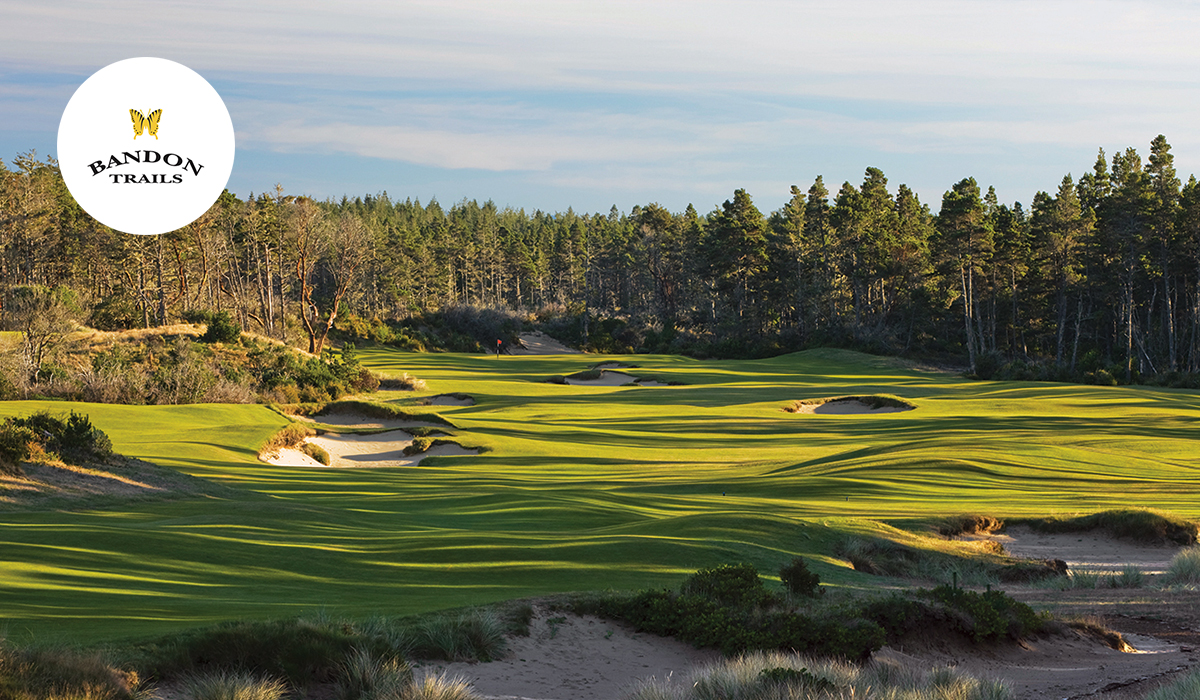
(580, 488)
(779, 676)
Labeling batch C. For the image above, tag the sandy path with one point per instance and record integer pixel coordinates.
(579, 658)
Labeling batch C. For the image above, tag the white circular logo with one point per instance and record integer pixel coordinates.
(145, 146)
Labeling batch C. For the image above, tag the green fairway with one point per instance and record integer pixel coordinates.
(578, 488)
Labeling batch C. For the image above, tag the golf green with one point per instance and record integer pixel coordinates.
(577, 488)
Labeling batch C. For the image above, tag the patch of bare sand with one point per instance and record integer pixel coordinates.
(372, 451)
(1091, 550)
(846, 407)
(538, 343)
(566, 657)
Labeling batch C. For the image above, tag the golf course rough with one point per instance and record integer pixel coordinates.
(578, 488)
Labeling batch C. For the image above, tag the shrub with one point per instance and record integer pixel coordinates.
(221, 329)
(15, 441)
(73, 437)
(798, 579)
(418, 446)
(992, 615)
(734, 585)
(301, 651)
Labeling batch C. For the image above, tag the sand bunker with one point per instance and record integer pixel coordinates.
(575, 658)
(364, 452)
(566, 657)
(843, 407)
(607, 378)
(1093, 551)
(450, 400)
(538, 343)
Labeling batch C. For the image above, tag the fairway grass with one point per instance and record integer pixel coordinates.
(578, 488)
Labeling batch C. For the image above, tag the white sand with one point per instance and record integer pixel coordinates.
(364, 451)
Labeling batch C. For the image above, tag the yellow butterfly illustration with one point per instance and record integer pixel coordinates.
(141, 123)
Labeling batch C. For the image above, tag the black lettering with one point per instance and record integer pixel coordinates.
(130, 156)
(167, 159)
(176, 178)
(191, 165)
(130, 178)
(145, 180)
(116, 178)
(113, 162)
(151, 157)
(96, 167)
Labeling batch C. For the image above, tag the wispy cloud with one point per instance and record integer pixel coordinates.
(667, 94)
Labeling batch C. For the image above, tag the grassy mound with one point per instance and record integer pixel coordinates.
(1141, 525)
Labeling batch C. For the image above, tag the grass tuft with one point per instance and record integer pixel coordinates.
(233, 685)
(366, 676)
(440, 687)
(781, 676)
(1187, 688)
(404, 382)
(1184, 569)
(51, 672)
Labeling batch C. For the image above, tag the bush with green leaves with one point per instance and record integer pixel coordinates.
(798, 580)
(72, 437)
(221, 329)
(736, 585)
(703, 622)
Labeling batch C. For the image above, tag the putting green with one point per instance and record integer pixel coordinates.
(579, 487)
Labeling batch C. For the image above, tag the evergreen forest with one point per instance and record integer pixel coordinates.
(1097, 279)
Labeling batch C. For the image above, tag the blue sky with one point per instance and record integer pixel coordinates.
(550, 105)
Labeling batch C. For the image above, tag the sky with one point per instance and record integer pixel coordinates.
(594, 104)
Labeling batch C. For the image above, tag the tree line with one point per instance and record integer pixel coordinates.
(1100, 275)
